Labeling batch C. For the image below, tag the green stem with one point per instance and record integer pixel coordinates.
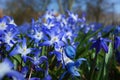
(93, 67)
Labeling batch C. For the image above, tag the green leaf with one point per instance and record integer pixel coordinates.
(19, 59)
(103, 73)
(107, 61)
(109, 54)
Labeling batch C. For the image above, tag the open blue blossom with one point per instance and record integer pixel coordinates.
(55, 39)
(6, 69)
(50, 24)
(49, 15)
(3, 26)
(36, 61)
(99, 44)
(9, 38)
(9, 20)
(70, 35)
(73, 17)
(37, 34)
(5, 22)
(23, 50)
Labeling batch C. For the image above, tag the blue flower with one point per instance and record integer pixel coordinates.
(24, 71)
(72, 69)
(9, 38)
(50, 24)
(49, 15)
(23, 50)
(79, 61)
(99, 44)
(6, 69)
(71, 66)
(3, 24)
(24, 28)
(70, 52)
(37, 34)
(73, 17)
(6, 22)
(38, 60)
(70, 35)
(58, 54)
(55, 39)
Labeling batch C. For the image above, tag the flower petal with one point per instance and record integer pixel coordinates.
(16, 74)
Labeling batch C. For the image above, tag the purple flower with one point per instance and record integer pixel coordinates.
(99, 44)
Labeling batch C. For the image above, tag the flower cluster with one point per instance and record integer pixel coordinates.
(54, 48)
(31, 45)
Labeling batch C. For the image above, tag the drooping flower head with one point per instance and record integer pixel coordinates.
(99, 44)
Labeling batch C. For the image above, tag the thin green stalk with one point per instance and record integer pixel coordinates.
(93, 67)
(101, 73)
(43, 50)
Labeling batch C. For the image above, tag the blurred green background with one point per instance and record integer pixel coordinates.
(104, 11)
